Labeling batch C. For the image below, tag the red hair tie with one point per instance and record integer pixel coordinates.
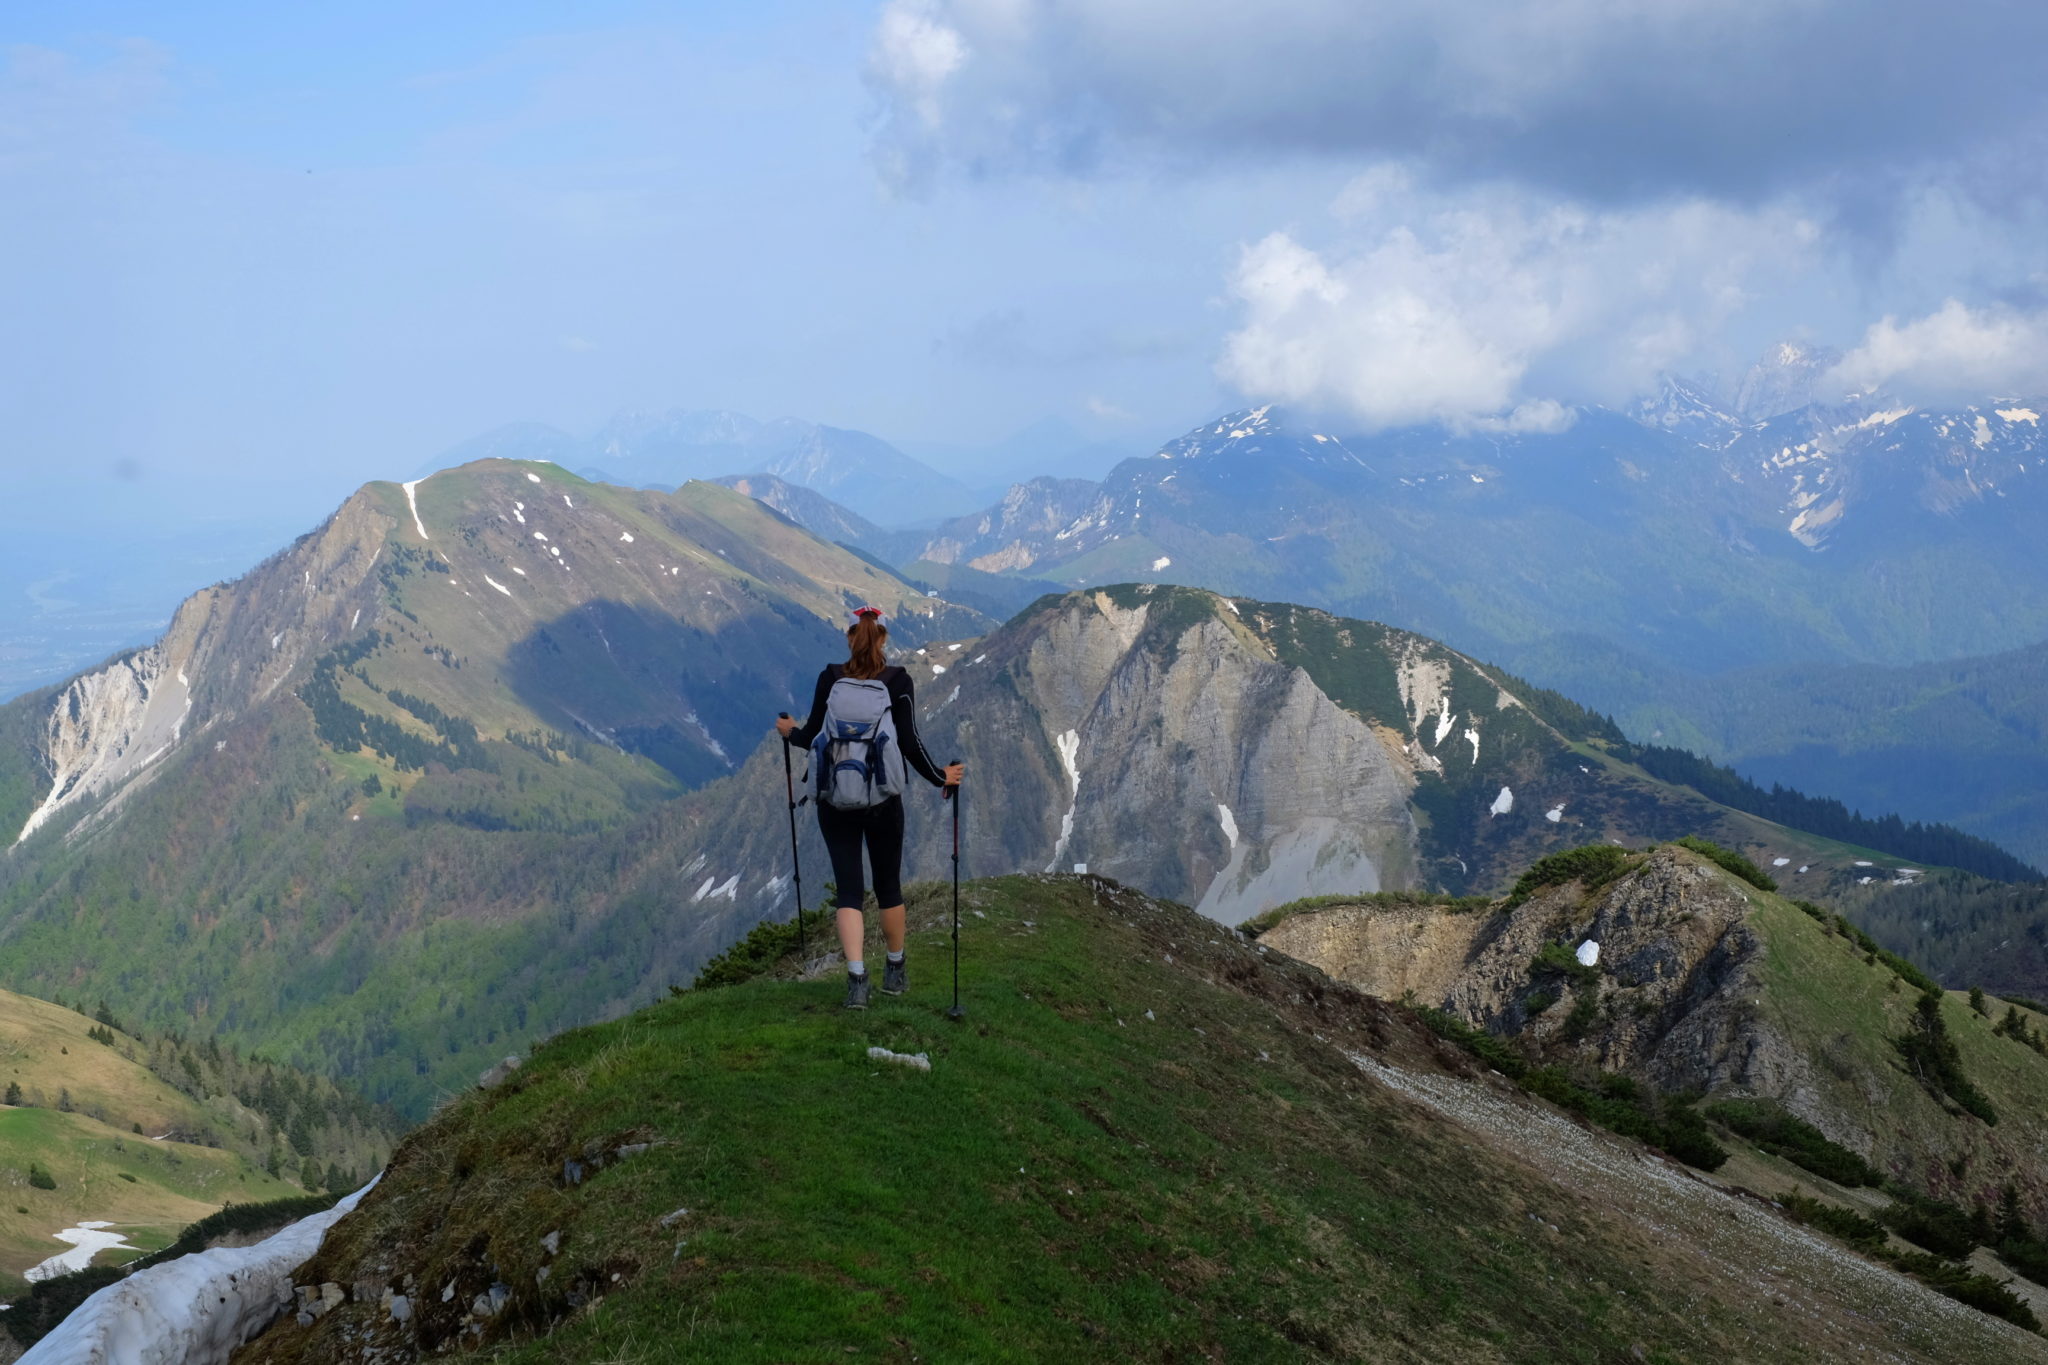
(858, 614)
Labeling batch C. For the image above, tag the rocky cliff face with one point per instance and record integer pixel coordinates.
(1160, 742)
(1692, 981)
(228, 648)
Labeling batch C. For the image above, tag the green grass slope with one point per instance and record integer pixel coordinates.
(147, 1190)
(1146, 1142)
(92, 1110)
(1847, 1012)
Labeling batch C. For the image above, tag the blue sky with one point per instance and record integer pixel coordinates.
(286, 248)
(302, 246)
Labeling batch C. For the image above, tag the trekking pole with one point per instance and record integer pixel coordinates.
(796, 861)
(956, 1014)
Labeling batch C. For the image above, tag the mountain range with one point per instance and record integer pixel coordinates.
(483, 757)
(667, 449)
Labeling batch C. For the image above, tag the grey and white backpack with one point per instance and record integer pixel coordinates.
(856, 760)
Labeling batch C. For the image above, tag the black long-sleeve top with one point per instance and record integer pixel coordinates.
(902, 706)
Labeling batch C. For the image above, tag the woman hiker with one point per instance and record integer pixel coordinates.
(866, 710)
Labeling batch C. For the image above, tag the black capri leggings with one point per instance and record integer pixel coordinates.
(882, 826)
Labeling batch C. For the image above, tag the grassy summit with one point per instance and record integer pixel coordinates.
(1148, 1141)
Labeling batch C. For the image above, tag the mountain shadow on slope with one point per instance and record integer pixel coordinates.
(686, 697)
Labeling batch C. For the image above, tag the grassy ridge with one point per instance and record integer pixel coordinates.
(1113, 1158)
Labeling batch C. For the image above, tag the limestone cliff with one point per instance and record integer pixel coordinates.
(1688, 979)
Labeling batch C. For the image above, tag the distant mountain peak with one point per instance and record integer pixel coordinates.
(1782, 380)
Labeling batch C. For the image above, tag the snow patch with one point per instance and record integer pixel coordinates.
(540, 536)
(1781, 862)
(566, 503)
(194, 1310)
(1164, 561)
(1229, 823)
(533, 478)
(1069, 747)
(1884, 419)
(1473, 736)
(1503, 803)
(1555, 815)
(87, 1240)
(412, 500)
(1589, 954)
(1444, 721)
(353, 619)
(626, 536)
(496, 584)
(2019, 415)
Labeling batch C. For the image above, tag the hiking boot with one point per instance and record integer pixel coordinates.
(856, 991)
(895, 978)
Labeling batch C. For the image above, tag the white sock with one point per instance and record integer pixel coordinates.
(895, 957)
(857, 967)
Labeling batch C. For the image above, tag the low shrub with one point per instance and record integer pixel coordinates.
(1932, 1056)
(1585, 1012)
(1495, 1052)
(1966, 1286)
(35, 1314)
(1767, 1124)
(1614, 1102)
(1859, 1232)
(1557, 959)
(1593, 864)
(1670, 1122)
(1729, 860)
(766, 944)
(1935, 1224)
(2027, 1256)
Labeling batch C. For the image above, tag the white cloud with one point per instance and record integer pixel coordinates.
(1106, 410)
(1954, 351)
(915, 54)
(1452, 308)
(1613, 101)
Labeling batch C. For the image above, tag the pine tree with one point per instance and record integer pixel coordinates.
(13, 1093)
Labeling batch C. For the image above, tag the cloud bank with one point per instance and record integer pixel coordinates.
(1443, 308)
(1609, 101)
(1555, 199)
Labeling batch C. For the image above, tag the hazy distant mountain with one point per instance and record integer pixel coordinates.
(667, 449)
(1782, 380)
(513, 441)
(1049, 448)
(1864, 533)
